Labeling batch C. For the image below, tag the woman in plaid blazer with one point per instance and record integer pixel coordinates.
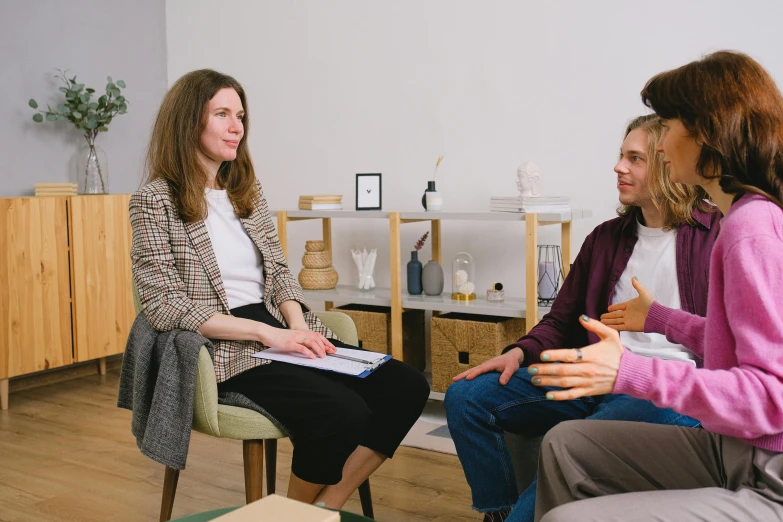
(206, 258)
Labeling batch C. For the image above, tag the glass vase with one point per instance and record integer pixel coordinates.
(92, 170)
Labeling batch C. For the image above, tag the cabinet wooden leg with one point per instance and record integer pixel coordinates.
(102, 366)
(3, 394)
(253, 456)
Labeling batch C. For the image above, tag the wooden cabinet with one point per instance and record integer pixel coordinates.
(65, 280)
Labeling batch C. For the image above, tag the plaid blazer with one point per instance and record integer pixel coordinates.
(178, 278)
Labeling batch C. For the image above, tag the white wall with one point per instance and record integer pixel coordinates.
(94, 39)
(345, 86)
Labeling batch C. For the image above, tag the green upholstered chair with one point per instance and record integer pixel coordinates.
(258, 434)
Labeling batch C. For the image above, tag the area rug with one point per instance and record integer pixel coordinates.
(430, 436)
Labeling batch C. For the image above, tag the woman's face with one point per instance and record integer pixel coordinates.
(223, 129)
(680, 153)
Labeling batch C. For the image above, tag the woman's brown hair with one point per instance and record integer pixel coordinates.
(175, 140)
(730, 104)
(675, 201)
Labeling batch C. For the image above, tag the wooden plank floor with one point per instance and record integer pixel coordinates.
(67, 454)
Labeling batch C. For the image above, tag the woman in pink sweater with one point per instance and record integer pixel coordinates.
(723, 119)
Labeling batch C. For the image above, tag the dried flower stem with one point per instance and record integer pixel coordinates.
(420, 242)
(437, 164)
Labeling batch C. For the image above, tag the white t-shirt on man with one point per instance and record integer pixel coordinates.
(654, 263)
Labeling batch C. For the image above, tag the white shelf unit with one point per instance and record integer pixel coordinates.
(511, 307)
(398, 301)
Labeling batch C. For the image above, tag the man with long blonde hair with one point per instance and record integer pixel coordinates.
(663, 236)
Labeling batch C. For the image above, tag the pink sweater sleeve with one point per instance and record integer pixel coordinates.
(740, 390)
(678, 326)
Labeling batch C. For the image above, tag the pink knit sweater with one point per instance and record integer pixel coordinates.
(739, 391)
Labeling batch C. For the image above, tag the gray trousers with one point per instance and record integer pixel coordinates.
(634, 472)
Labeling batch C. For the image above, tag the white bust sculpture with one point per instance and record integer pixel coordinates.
(529, 180)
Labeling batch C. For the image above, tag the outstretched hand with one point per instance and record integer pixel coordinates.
(593, 374)
(630, 315)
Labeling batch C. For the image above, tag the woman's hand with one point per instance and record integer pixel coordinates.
(594, 373)
(310, 344)
(630, 315)
(507, 364)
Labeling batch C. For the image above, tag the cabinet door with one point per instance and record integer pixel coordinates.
(35, 303)
(101, 275)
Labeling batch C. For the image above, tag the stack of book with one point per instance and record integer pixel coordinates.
(55, 189)
(530, 205)
(321, 202)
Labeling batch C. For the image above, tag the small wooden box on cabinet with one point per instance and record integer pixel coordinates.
(65, 277)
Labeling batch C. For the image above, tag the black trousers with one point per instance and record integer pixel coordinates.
(329, 414)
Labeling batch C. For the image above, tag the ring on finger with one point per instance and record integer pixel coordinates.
(578, 354)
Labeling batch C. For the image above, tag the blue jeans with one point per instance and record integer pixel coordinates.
(479, 411)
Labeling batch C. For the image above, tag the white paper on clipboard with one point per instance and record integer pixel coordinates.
(333, 364)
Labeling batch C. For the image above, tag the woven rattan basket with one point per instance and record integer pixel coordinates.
(315, 245)
(318, 278)
(373, 326)
(462, 341)
(317, 260)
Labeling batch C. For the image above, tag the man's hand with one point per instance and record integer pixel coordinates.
(630, 315)
(507, 364)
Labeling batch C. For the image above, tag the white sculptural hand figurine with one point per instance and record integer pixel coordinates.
(529, 180)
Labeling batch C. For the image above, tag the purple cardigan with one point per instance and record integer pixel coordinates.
(590, 284)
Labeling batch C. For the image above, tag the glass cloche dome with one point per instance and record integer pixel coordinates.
(463, 277)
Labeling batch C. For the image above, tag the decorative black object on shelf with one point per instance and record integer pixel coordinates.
(550, 273)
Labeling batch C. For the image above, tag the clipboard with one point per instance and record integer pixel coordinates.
(332, 364)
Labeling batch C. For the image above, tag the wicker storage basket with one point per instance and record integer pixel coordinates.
(318, 278)
(315, 245)
(373, 324)
(459, 342)
(316, 260)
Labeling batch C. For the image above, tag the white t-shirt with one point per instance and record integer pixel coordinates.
(654, 263)
(240, 261)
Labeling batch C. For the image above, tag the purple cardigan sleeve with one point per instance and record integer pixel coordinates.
(678, 326)
(554, 328)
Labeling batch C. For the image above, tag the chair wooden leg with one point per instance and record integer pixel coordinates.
(253, 456)
(366, 499)
(4, 394)
(170, 478)
(270, 450)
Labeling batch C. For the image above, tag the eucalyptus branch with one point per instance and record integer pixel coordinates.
(88, 116)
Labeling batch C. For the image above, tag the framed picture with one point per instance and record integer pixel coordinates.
(368, 192)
